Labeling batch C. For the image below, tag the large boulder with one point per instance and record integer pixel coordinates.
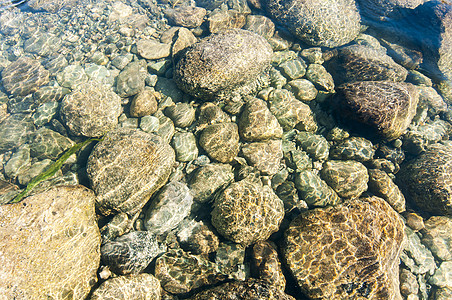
(383, 107)
(329, 23)
(348, 251)
(222, 62)
(426, 180)
(127, 167)
(50, 245)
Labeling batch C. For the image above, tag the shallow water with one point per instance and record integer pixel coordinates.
(96, 41)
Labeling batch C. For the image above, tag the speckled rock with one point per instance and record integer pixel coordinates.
(247, 212)
(267, 265)
(180, 272)
(293, 69)
(168, 208)
(436, 236)
(184, 144)
(363, 63)
(24, 76)
(144, 103)
(220, 141)
(53, 245)
(46, 143)
(127, 167)
(197, 237)
(426, 180)
(151, 49)
(220, 63)
(209, 113)
(303, 89)
(229, 258)
(347, 178)
(14, 131)
(44, 113)
(290, 112)
(117, 226)
(182, 114)
(382, 185)
(315, 145)
(349, 251)
(264, 156)
(131, 253)
(71, 76)
(330, 23)
(320, 77)
(384, 107)
(207, 180)
(257, 123)
(313, 190)
(141, 286)
(415, 256)
(353, 148)
(131, 80)
(221, 20)
(90, 110)
(251, 289)
(186, 16)
(442, 276)
(260, 25)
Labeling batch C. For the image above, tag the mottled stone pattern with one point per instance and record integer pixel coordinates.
(24, 76)
(46, 143)
(247, 212)
(355, 148)
(329, 23)
(257, 123)
(91, 110)
(264, 156)
(131, 253)
(314, 144)
(49, 5)
(436, 236)
(207, 180)
(127, 167)
(347, 178)
(14, 131)
(220, 63)
(52, 245)
(140, 287)
(385, 107)
(349, 251)
(382, 185)
(168, 208)
(427, 180)
(251, 289)
(180, 272)
(314, 190)
(363, 63)
(267, 265)
(221, 141)
(182, 114)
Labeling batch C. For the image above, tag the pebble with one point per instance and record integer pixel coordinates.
(293, 69)
(315, 145)
(182, 114)
(71, 76)
(184, 144)
(46, 143)
(353, 148)
(131, 79)
(313, 190)
(320, 77)
(44, 113)
(149, 124)
(34, 170)
(151, 49)
(436, 236)
(304, 90)
(14, 131)
(186, 16)
(220, 141)
(382, 185)
(264, 156)
(205, 181)
(19, 161)
(260, 25)
(197, 237)
(267, 265)
(415, 256)
(50, 94)
(144, 103)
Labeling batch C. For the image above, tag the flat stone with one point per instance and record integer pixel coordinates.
(415, 256)
(186, 16)
(42, 44)
(184, 144)
(220, 141)
(197, 237)
(131, 253)
(315, 145)
(53, 245)
(91, 109)
(207, 180)
(137, 162)
(347, 178)
(246, 212)
(34, 170)
(303, 89)
(260, 25)
(71, 76)
(442, 276)
(131, 80)
(19, 161)
(436, 236)
(320, 77)
(349, 251)
(151, 49)
(168, 208)
(265, 156)
(353, 148)
(221, 20)
(14, 131)
(44, 113)
(314, 191)
(46, 143)
(24, 76)
(382, 186)
(50, 94)
(293, 69)
(140, 286)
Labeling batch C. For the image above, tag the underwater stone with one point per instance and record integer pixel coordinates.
(320, 77)
(207, 180)
(315, 145)
(210, 113)
(118, 225)
(436, 236)
(144, 103)
(91, 109)
(44, 113)
(168, 208)
(221, 20)
(353, 148)
(14, 131)
(287, 192)
(415, 256)
(166, 128)
(71, 76)
(127, 167)
(330, 23)
(293, 69)
(50, 94)
(247, 212)
(303, 89)
(151, 49)
(186, 16)
(131, 80)
(46, 143)
(349, 251)
(140, 286)
(168, 87)
(204, 72)
(42, 44)
(197, 237)
(184, 144)
(264, 156)
(182, 114)
(221, 141)
(441, 278)
(149, 124)
(347, 178)
(34, 170)
(277, 80)
(18, 162)
(24, 76)
(53, 245)
(131, 253)
(314, 190)
(260, 25)
(382, 186)
(267, 265)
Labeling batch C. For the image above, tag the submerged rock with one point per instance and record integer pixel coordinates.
(426, 180)
(247, 212)
(264, 156)
(436, 236)
(329, 23)
(14, 131)
(207, 180)
(382, 185)
(267, 265)
(127, 167)
(348, 251)
(50, 245)
(221, 141)
(384, 107)
(221, 63)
